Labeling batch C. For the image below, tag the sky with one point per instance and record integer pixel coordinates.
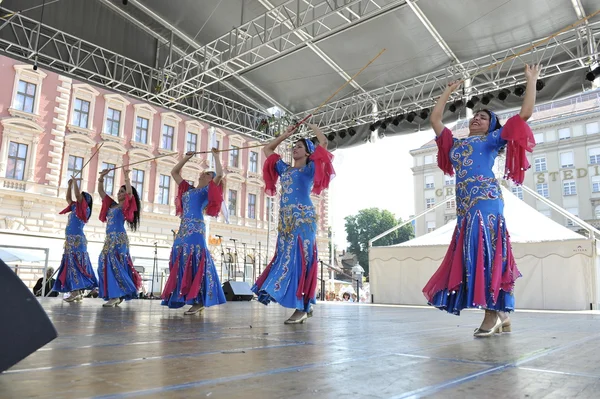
(373, 175)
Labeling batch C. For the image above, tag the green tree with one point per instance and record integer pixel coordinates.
(367, 224)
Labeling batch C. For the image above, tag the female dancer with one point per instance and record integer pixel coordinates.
(291, 277)
(75, 273)
(193, 279)
(479, 270)
(117, 277)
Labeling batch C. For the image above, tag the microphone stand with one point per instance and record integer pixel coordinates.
(154, 267)
(222, 253)
(230, 259)
(235, 253)
(244, 275)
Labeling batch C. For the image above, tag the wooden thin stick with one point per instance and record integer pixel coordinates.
(88, 161)
(534, 45)
(261, 145)
(144, 160)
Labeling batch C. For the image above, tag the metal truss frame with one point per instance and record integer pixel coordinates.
(567, 52)
(71, 56)
(278, 32)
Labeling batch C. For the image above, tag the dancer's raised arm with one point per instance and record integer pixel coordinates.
(69, 197)
(101, 183)
(218, 166)
(176, 171)
(270, 148)
(319, 134)
(438, 111)
(531, 74)
(76, 188)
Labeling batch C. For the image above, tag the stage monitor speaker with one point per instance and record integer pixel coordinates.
(237, 291)
(27, 327)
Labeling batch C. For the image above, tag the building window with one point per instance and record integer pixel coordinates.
(594, 155)
(234, 157)
(566, 160)
(137, 180)
(596, 184)
(17, 158)
(518, 191)
(74, 166)
(569, 187)
(164, 184)
(252, 206)
(168, 134)
(539, 138)
(430, 226)
(542, 189)
(141, 130)
(451, 204)
(428, 159)
(429, 182)
(113, 122)
(109, 179)
(429, 203)
(564, 134)
(540, 164)
(449, 181)
(81, 113)
(25, 98)
(592, 128)
(191, 142)
(597, 212)
(253, 162)
(574, 212)
(232, 202)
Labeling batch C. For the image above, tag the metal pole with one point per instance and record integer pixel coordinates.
(154, 266)
(259, 259)
(322, 282)
(47, 251)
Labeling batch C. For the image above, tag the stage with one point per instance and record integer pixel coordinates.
(243, 350)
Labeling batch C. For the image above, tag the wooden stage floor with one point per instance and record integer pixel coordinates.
(243, 350)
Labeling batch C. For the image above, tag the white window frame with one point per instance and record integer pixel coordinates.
(541, 163)
(239, 142)
(517, 191)
(79, 146)
(147, 112)
(594, 156)
(543, 189)
(118, 103)
(449, 181)
(567, 165)
(428, 160)
(595, 184)
(18, 159)
(136, 155)
(431, 184)
(571, 183)
(164, 167)
(451, 205)
(24, 132)
(430, 226)
(592, 128)
(173, 120)
(198, 129)
(234, 182)
(27, 74)
(87, 93)
(539, 138)
(429, 202)
(564, 133)
(597, 212)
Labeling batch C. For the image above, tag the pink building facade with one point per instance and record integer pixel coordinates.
(50, 125)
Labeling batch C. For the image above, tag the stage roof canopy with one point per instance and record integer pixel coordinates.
(228, 62)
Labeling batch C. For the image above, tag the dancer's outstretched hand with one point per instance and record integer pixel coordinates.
(532, 72)
(454, 85)
(289, 131)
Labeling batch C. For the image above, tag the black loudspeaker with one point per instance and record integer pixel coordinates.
(237, 291)
(27, 327)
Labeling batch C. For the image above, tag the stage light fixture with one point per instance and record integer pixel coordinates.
(539, 85)
(471, 103)
(519, 90)
(351, 132)
(411, 116)
(485, 100)
(424, 113)
(592, 74)
(398, 119)
(331, 136)
(124, 2)
(503, 95)
(342, 133)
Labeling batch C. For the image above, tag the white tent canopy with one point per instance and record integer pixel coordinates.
(557, 264)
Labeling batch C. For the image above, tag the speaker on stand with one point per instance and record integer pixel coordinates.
(29, 328)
